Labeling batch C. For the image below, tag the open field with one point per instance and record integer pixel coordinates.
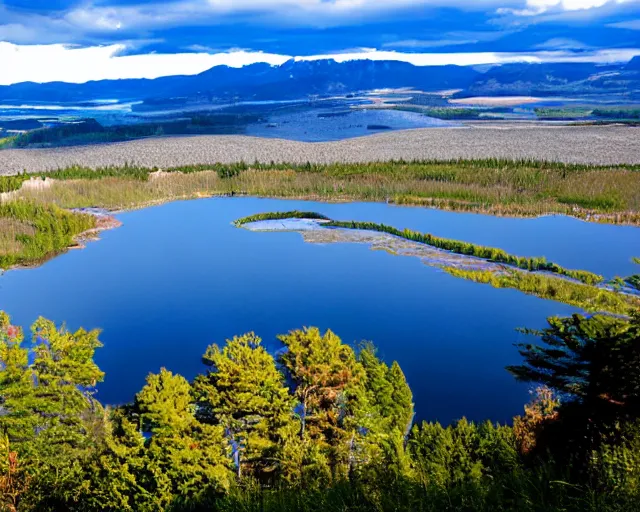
(573, 144)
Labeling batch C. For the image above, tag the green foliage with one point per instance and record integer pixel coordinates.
(618, 113)
(550, 113)
(593, 363)
(279, 215)
(53, 231)
(90, 131)
(586, 297)
(230, 441)
(634, 280)
(245, 395)
(594, 360)
(447, 113)
(328, 383)
(49, 414)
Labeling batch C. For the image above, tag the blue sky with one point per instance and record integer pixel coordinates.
(302, 28)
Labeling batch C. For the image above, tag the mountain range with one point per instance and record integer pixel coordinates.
(301, 79)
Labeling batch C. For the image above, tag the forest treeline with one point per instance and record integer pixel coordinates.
(318, 427)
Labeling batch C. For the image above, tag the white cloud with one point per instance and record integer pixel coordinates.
(562, 43)
(629, 25)
(435, 43)
(93, 17)
(535, 7)
(95, 21)
(47, 63)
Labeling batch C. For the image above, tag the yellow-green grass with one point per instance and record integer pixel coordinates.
(604, 194)
(583, 296)
(11, 231)
(31, 232)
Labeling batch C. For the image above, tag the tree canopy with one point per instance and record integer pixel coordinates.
(324, 426)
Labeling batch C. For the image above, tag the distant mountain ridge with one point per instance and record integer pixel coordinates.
(300, 79)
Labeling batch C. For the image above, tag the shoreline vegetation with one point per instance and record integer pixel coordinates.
(534, 276)
(606, 194)
(31, 233)
(319, 426)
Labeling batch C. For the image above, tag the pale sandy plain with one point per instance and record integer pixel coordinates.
(575, 144)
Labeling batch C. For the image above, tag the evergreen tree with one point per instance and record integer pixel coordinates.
(593, 365)
(48, 410)
(386, 412)
(184, 459)
(329, 387)
(245, 394)
(594, 361)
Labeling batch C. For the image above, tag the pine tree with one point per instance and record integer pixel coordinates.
(594, 361)
(593, 365)
(245, 394)
(185, 459)
(329, 387)
(48, 410)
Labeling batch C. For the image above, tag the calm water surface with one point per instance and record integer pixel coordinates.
(178, 277)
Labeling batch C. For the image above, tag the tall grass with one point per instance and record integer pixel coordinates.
(526, 188)
(33, 232)
(456, 246)
(586, 297)
(295, 214)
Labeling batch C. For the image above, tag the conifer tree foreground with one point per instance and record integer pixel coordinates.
(324, 427)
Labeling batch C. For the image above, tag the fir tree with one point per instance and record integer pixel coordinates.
(245, 394)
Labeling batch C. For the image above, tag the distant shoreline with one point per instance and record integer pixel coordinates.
(602, 145)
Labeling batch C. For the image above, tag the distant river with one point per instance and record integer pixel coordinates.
(177, 277)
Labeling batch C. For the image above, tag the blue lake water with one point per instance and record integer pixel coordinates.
(177, 277)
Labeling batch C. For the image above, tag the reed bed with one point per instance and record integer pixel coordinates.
(533, 276)
(584, 296)
(603, 194)
(11, 233)
(490, 254)
(33, 232)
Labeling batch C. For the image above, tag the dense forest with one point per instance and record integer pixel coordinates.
(319, 426)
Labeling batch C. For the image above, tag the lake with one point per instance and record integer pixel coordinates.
(177, 277)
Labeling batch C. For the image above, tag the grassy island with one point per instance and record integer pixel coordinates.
(535, 276)
(323, 426)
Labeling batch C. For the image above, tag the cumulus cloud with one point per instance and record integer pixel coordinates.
(46, 63)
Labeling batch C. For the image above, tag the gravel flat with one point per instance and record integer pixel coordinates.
(573, 144)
